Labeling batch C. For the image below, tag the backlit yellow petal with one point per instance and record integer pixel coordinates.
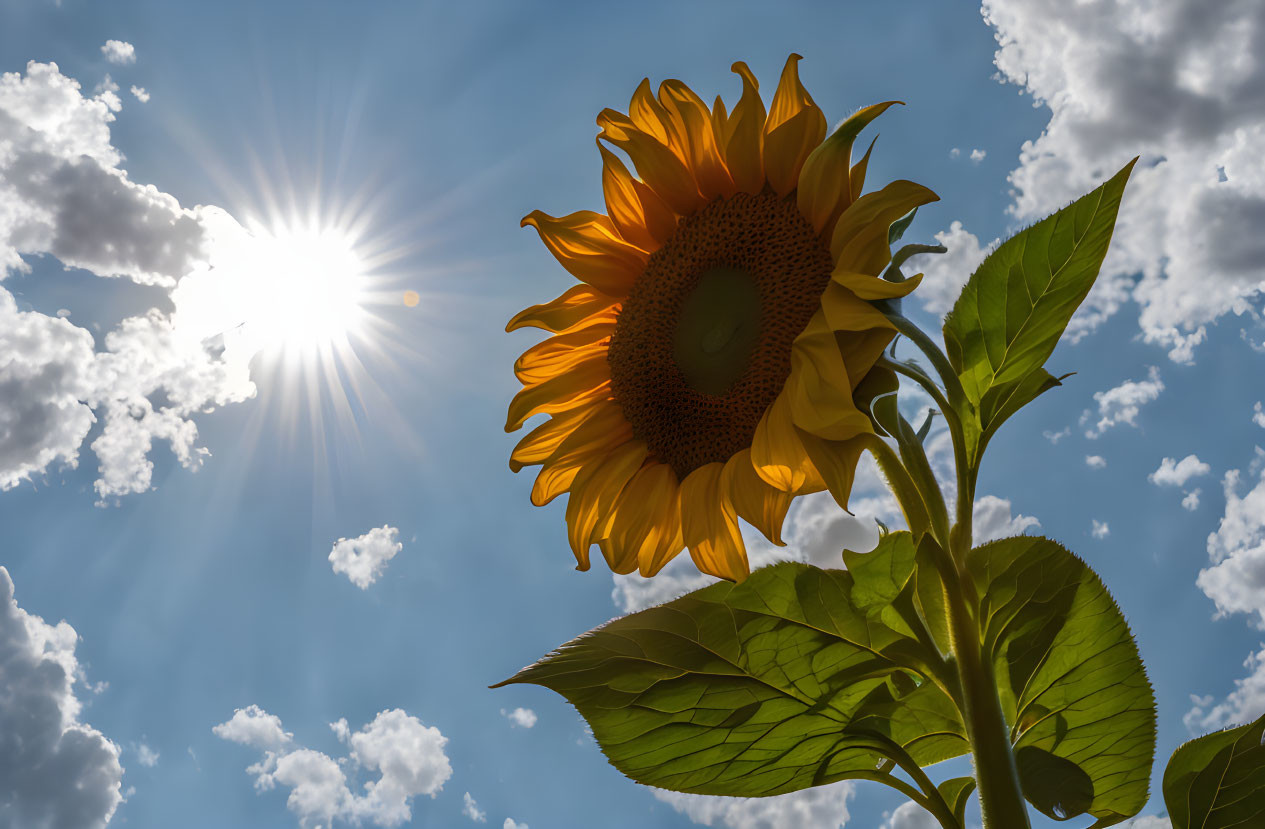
(657, 164)
(742, 140)
(646, 531)
(544, 440)
(819, 390)
(760, 505)
(694, 123)
(845, 311)
(561, 353)
(794, 128)
(594, 493)
(589, 247)
(860, 242)
(869, 287)
(861, 350)
(580, 305)
(857, 175)
(777, 454)
(586, 383)
(837, 462)
(710, 525)
(825, 183)
(636, 211)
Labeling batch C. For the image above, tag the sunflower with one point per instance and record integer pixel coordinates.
(704, 369)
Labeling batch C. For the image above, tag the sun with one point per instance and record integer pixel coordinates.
(306, 289)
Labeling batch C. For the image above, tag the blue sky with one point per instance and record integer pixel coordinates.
(203, 586)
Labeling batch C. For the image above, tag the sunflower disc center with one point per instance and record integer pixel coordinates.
(702, 344)
(718, 327)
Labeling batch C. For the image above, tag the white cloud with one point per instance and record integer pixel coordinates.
(1054, 437)
(1259, 415)
(1122, 403)
(54, 770)
(510, 823)
(1181, 82)
(822, 807)
(520, 717)
(407, 755)
(1236, 579)
(992, 520)
(364, 558)
(471, 809)
(119, 51)
(1147, 822)
(978, 155)
(1244, 704)
(946, 273)
(140, 93)
(146, 756)
(956, 152)
(1096, 461)
(1100, 529)
(910, 815)
(1191, 501)
(1177, 473)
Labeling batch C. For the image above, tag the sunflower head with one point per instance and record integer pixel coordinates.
(704, 368)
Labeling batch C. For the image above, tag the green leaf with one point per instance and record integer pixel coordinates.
(1016, 305)
(899, 227)
(1218, 781)
(775, 684)
(956, 792)
(1071, 682)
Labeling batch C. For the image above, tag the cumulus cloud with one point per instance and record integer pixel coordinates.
(119, 51)
(63, 193)
(1177, 473)
(1182, 83)
(520, 717)
(1123, 403)
(1191, 501)
(54, 769)
(365, 557)
(140, 93)
(1100, 529)
(823, 807)
(1242, 705)
(510, 823)
(1096, 461)
(1236, 579)
(1147, 822)
(407, 756)
(910, 815)
(991, 520)
(471, 809)
(1258, 416)
(978, 155)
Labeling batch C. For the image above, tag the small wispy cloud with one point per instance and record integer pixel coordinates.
(1100, 529)
(119, 52)
(520, 717)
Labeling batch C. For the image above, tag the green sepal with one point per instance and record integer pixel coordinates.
(956, 792)
(1217, 781)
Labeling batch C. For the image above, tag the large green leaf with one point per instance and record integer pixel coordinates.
(791, 679)
(1071, 682)
(1218, 781)
(1012, 311)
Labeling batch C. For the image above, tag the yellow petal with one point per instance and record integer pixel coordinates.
(742, 139)
(819, 390)
(593, 495)
(694, 123)
(825, 182)
(857, 175)
(657, 164)
(636, 211)
(861, 350)
(585, 383)
(589, 247)
(544, 440)
(580, 305)
(845, 311)
(720, 119)
(860, 242)
(837, 462)
(869, 287)
(777, 454)
(646, 531)
(561, 353)
(598, 434)
(794, 128)
(760, 505)
(649, 116)
(710, 525)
